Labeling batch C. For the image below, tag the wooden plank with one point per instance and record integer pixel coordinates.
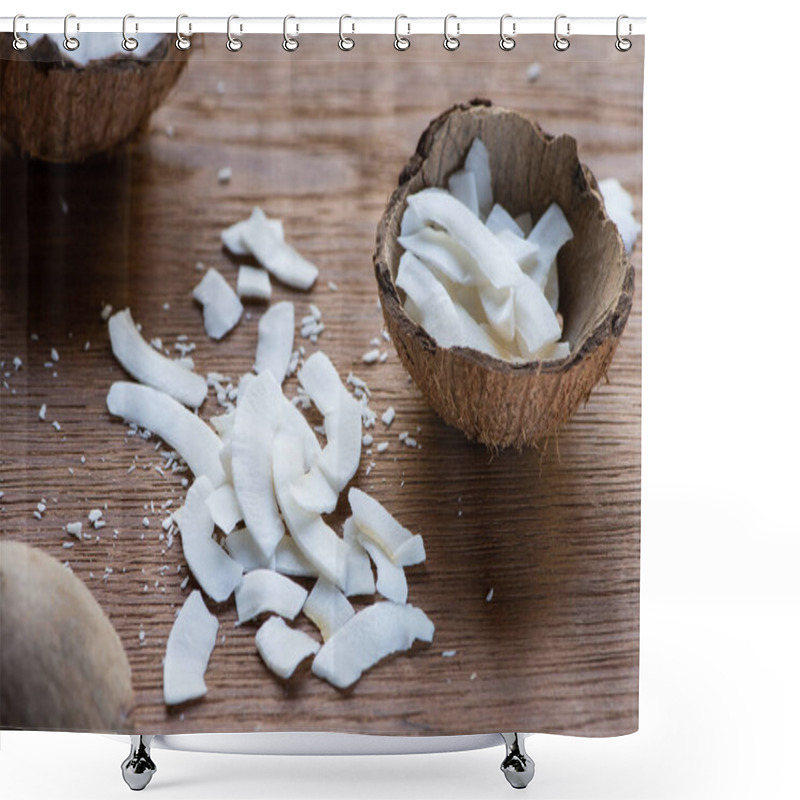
(318, 138)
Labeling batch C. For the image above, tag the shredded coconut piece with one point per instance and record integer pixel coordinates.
(224, 175)
(43, 412)
(388, 416)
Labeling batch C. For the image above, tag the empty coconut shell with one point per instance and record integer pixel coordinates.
(62, 665)
(493, 401)
(55, 109)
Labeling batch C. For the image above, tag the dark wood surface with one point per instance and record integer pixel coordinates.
(318, 138)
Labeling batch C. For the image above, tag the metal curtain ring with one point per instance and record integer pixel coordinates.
(233, 44)
(181, 42)
(623, 45)
(561, 43)
(129, 43)
(401, 42)
(70, 42)
(345, 42)
(451, 42)
(507, 42)
(290, 44)
(19, 43)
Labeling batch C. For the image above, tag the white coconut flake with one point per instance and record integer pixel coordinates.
(148, 366)
(463, 187)
(388, 416)
(253, 282)
(258, 415)
(224, 508)
(402, 547)
(372, 634)
(74, 529)
(189, 647)
(501, 220)
(327, 608)
(283, 648)
(275, 255)
(371, 356)
(106, 312)
(159, 413)
(477, 162)
(244, 549)
(216, 572)
(391, 581)
(263, 590)
(619, 207)
(275, 340)
(222, 309)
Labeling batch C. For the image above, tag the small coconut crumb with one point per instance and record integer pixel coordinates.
(402, 436)
(86, 346)
(383, 358)
(53, 354)
(371, 356)
(83, 459)
(333, 286)
(74, 529)
(534, 71)
(165, 306)
(17, 363)
(43, 412)
(145, 588)
(145, 522)
(410, 442)
(185, 582)
(388, 416)
(225, 175)
(473, 676)
(68, 545)
(386, 336)
(383, 447)
(448, 653)
(141, 636)
(37, 515)
(170, 131)
(366, 440)
(108, 309)
(56, 425)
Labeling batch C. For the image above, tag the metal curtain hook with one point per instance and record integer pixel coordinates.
(290, 43)
(623, 45)
(233, 44)
(129, 43)
(507, 42)
(70, 42)
(181, 42)
(19, 42)
(345, 42)
(561, 43)
(401, 42)
(451, 42)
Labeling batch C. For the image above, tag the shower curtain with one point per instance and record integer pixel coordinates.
(261, 482)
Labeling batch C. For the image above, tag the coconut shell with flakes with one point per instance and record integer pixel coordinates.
(493, 401)
(54, 108)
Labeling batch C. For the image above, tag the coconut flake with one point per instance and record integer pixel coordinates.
(189, 647)
(463, 187)
(372, 634)
(244, 550)
(283, 648)
(477, 162)
(264, 590)
(619, 207)
(275, 340)
(391, 581)
(501, 220)
(216, 572)
(327, 608)
(222, 309)
(275, 255)
(258, 415)
(253, 282)
(550, 233)
(159, 413)
(149, 367)
(224, 508)
(402, 547)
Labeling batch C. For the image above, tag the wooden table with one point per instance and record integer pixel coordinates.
(318, 139)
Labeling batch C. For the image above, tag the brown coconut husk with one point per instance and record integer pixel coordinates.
(63, 666)
(493, 401)
(56, 110)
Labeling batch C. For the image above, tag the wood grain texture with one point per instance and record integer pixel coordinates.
(318, 138)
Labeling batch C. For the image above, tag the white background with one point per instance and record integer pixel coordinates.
(720, 621)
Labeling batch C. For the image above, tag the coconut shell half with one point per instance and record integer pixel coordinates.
(54, 109)
(493, 401)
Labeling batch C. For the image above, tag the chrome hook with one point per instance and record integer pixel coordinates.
(233, 44)
(561, 43)
(345, 42)
(70, 42)
(290, 43)
(181, 42)
(451, 42)
(19, 43)
(507, 42)
(401, 42)
(129, 43)
(623, 45)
